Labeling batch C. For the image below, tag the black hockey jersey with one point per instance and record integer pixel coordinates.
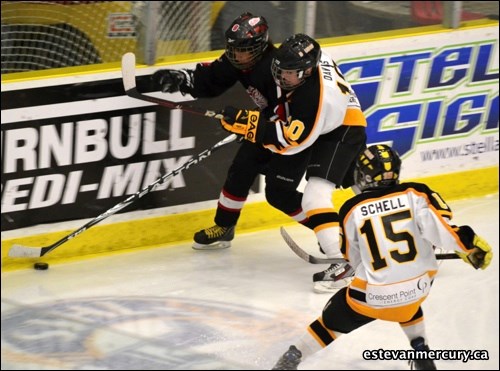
(213, 79)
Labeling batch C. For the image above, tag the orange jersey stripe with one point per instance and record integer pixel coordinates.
(354, 117)
(402, 313)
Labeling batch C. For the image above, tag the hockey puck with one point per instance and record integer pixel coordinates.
(41, 266)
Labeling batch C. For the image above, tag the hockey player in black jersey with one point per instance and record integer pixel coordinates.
(247, 59)
(319, 128)
(388, 232)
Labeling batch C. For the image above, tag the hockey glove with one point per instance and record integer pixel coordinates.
(171, 81)
(480, 255)
(241, 122)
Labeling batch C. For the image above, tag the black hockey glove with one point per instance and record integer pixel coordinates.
(241, 121)
(171, 81)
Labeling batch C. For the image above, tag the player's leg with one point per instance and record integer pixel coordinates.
(250, 160)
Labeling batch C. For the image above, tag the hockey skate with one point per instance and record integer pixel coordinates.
(289, 360)
(421, 364)
(213, 238)
(335, 277)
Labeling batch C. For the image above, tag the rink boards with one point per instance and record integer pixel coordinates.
(73, 146)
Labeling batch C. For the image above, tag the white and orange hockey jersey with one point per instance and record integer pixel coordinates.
(323, 103)
(389, 235)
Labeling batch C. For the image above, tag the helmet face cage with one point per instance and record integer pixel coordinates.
(280, 77)
(246, 40)
(295, 57)
(378, 166)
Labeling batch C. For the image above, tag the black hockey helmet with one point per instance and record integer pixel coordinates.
(247, 34)
(377, 166)
(297, 53)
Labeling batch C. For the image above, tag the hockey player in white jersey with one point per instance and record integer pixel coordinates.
(318, 129)
(389, 233)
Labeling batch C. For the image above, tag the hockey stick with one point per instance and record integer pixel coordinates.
(304, 255)
(34, 252)
(316, 260)
(129, 83)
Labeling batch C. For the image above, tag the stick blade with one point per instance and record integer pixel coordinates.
(303, 254)
(128, 71)
(18, 251)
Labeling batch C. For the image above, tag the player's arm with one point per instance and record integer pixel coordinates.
(473, 249)
(206, 80)
(298, 132)
(433, 216)
(477, 251)
(276, 135)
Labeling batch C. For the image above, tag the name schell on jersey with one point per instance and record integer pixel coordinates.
(383, 206)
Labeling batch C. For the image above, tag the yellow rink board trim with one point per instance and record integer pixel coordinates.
(179, 228)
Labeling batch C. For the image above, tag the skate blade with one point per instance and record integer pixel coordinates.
(215, 246)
